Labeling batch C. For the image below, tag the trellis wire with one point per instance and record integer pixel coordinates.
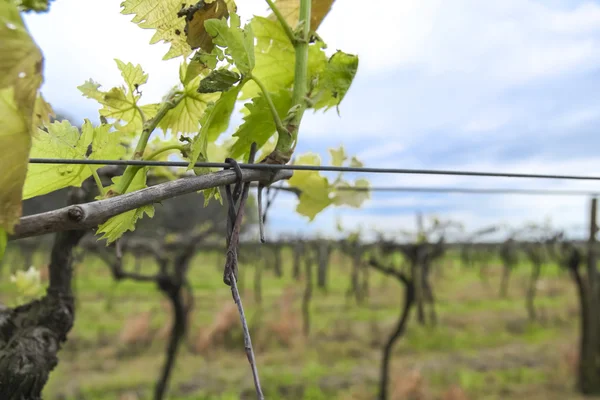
(330, 168)
(416, 189)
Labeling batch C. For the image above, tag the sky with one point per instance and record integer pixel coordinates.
(499, 86)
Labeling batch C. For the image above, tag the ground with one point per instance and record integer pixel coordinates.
(482, 347)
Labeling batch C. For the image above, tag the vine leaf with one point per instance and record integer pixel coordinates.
(201, 63)
(3, 241)
(317, 192)
(14, 135)
(219, 80)
(116, 226)
(42, 112)
(335, 80)
(290, 9)
(195, 18)
(315, 189)
(238, 43)
(221, 114)
(214, 121)
(21, 61)
(338, 156)
(275, 58)
(21, 65)
(160, 15)
(185, 117)
(34, 5)
(352, 198)
(258, 124)
(120, 103)
(62, 140)
(106, 145)
(356, 163)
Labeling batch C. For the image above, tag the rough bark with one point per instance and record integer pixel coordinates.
(589, 382)
(298, 249)
(306, 297)
(32, 334)
(323, 254)
(409, 300)
(509, 260)
(94, 213)
(531, 291)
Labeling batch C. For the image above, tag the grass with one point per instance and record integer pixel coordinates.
(482, 343)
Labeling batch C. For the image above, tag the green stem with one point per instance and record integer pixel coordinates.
(286, 27)
(278, 123)
(286, 143)
(142, 115)
(173, 99)
(98, 181)
(153, 155)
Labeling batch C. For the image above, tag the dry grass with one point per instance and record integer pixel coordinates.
(409, 386)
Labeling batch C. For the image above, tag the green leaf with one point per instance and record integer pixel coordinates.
(185, 117)
(203, 147)
(290, 9)
(106, 145)
(214, 121)
(120, 103)
(275, 58)
(21, 65)
(3, 241)
(356, 163)
(210, 193)
(219, 80)
(201, 63)
(62, 140)
(352, 198)
(315, 188)
(28, 283)
(222, 113)
(133, 76)
(258, 124)
(237, 43)
(21, 61)
(160, 15)
(34, 5)
(338, 156)
(16, 137)
(335, 80)
(116, 226)
(42, 112)
(199, 144)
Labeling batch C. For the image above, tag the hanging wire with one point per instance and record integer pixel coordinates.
(145, 163)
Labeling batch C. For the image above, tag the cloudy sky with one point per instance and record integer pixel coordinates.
(507, 85)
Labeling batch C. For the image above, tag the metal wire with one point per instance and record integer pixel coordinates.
(417, 189)
(145, 163)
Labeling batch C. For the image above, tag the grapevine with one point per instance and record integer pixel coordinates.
(278, 66)
(222, 63)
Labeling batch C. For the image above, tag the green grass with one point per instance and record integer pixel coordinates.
(340, 358)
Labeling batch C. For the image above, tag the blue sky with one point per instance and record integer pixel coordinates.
(505, 85)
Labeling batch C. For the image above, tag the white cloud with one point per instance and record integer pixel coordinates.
(490, 119)
(380, 151)
(424, 65)
(512, 40)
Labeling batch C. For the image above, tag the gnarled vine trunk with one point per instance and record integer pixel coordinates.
(32, 334)
(323, 254)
